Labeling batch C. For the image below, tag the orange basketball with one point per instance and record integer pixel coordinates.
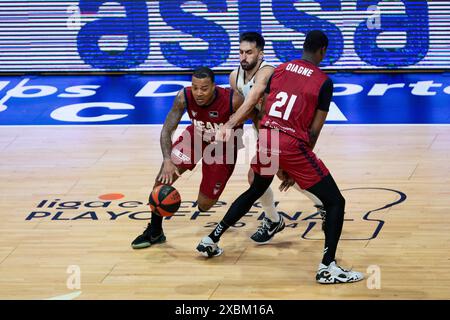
(164, 200)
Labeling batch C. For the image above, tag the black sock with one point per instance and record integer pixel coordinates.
(242, 205)
(218, 231)
(334, 204)
(156, 225)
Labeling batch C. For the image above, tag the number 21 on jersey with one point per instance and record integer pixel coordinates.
(282, 98)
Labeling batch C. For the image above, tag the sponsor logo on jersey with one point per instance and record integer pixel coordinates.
(213, 114)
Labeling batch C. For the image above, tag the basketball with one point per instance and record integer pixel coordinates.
(164, 200)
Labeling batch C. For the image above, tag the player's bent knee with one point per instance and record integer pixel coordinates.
(338, 201)
(257, 189)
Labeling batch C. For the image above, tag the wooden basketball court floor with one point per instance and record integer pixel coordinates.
(85, 253)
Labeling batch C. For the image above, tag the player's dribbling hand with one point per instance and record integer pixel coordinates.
(168, 170)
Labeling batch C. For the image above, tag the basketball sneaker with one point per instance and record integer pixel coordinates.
(209, 248)
(335, 274)
(146, 240)
(323, 215)
(267, 230)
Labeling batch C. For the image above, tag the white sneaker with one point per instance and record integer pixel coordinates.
(335, 274)
(209, 248)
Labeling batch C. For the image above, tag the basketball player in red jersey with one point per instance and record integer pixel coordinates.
(251, 79)
(208, 107)
(299, 95)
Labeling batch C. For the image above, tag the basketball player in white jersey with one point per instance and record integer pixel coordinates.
(254, 73)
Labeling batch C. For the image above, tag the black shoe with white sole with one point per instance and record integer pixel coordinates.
(267, 230)
(145, 240)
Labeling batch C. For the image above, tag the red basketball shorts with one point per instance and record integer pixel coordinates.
(276, 150)
(187, 151)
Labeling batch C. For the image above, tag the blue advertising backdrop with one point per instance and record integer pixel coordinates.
(146, 99)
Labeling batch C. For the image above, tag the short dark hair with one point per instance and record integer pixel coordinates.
(253, 37)
(203, 72)
(315, 40)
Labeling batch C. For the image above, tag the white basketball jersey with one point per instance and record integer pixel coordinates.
(244, 88)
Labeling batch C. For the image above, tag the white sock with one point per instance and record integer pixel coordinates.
(268, 205)
(309, 195)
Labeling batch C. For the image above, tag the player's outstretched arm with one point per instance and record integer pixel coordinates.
(170, 125)
(255, 94)
(238, 100)
(248, 105)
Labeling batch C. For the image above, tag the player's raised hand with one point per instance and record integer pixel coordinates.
(167, 172)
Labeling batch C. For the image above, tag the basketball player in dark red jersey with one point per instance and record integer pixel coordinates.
(299, 95)
(250, 79)
(208, 107)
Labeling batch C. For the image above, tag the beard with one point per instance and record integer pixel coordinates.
(248, 66)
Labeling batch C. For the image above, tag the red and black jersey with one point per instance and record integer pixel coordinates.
(208, 119)
(296, 89)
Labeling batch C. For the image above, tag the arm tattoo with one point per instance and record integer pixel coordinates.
(171, 124)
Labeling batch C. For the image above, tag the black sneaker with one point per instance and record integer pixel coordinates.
(267, 230)
(323, 215)
(145, 240)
